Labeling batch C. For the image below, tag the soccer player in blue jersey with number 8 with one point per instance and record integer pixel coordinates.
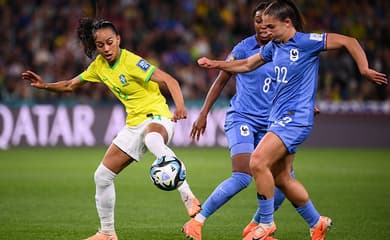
(295, 56)
(149, 122)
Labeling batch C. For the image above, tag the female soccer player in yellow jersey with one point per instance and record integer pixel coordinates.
(149, 122)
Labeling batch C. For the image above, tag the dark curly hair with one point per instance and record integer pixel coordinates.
(260, 6)
(86, 33)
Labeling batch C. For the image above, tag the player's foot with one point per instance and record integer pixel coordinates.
(319, 230)
(102, 236)
(261, 232)
(252, 225)
(193, 229)
(192, 206)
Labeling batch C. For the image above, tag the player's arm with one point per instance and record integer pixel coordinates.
(199, 125)
(175, 91)
(236, 66)
(336, 41)
(60, 86)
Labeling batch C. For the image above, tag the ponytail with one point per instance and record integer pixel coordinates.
(85, 34)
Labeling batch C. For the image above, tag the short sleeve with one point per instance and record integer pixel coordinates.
(90, 74)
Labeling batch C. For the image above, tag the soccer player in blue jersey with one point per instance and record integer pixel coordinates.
(295, 56)
(149, 122)
(245, 124)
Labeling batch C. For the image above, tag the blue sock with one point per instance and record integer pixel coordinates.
(309, 213)
(224, 192)
(266, 210)
(278, 200)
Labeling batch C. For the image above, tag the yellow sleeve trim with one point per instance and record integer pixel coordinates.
(150, 74)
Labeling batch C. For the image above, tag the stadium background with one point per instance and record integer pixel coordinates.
(40, 35)
(48, 192)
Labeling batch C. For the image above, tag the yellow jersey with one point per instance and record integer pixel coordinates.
(129, 80)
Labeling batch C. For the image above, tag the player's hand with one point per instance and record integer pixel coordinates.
(206, 63)
(178, 114)
(376, 77)
(316, 111)
(34, 79)
(198, 127)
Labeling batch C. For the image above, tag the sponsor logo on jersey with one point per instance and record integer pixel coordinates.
(244, 129)
(315, 36)
(294, 55)
(143, 64)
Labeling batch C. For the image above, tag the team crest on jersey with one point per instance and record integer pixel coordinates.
(244, 129)
(294, 55)
(123, 80)
(143, 64)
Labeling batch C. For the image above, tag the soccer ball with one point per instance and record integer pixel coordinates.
(168, 173)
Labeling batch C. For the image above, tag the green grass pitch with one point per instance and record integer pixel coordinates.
(48, 193)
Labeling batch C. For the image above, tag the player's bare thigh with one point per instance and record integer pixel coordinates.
(270, 150)
(155, 127)
(115, 159)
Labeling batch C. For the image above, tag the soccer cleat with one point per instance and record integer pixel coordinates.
(319, 231)
(192, 206)
(102, 236)
(261, 232)
(252, 225)
(193, 229)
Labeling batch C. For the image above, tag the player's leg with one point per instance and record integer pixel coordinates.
(239, 179)
(299, 197)
(113, 162)
(241, 145)
(269, 151)
(158, 133)
(278, 200)
(278, 196)
(292, 188)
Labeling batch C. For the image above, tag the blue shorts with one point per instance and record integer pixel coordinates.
(291, 135)
(243, 137)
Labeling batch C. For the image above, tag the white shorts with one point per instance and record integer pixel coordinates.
(130, 139)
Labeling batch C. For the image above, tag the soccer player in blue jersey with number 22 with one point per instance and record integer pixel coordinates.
(245, 124)
(295, 56)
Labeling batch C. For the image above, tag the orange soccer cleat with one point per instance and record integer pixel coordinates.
(252, 225)
(319, 231)
(102, 236)
(193, 229)
(261, 232)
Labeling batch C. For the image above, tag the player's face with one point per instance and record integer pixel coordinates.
(107, 44)
(262, 33)
(280, 30)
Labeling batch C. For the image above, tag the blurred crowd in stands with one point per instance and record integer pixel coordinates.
(41, 35)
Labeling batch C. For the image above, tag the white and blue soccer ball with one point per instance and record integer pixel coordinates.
(168, 173)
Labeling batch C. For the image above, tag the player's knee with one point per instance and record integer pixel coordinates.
(257, 167)
(103, 176)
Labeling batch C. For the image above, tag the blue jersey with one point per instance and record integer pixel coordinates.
(296, 66)
(254, 90)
